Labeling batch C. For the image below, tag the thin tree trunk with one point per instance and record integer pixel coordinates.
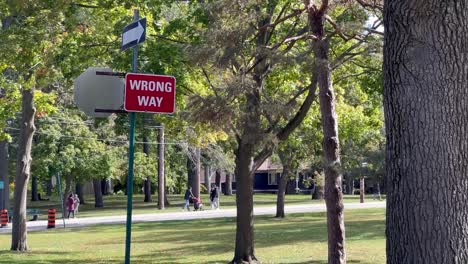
(23, 166)
(283, 182)
(228, 184)
(318, 193)
(147, 182)
(106, 186)
(207, 178)
(331, 152)
(68, 190)
(98, 201)
(34, 196)
(218, 179)
(5, 204)
(361, 190)
(349, 183)
(196, 178)
(161, 174)
(190, 171)
(426, 117)
(49, 187)
(79, 192)
(379, 195)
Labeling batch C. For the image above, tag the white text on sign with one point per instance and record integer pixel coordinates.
(152, 86)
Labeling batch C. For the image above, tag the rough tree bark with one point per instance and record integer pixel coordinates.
(79, 192)
(147, 182)
(244, 250)
(426, 115)
(331, 153)
(98, 201)
(244, 170)
(161, 175)
(34, 196)
(228, 184)
(23, 167)
(4, 175)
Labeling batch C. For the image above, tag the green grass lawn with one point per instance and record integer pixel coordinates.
(117, 204)
(297, 239)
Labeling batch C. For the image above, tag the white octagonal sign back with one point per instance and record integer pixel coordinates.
(93, 91)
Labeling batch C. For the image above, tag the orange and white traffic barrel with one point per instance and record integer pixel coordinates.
(51, 218)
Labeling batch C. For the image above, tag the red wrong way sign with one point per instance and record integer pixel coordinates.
(149, 93)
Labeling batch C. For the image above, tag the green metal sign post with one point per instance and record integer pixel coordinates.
(131, 150)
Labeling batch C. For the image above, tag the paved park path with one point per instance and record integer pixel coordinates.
(157, 217)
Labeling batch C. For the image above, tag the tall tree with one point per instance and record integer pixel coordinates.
(426, 113)
(23, 166)
(242, 102)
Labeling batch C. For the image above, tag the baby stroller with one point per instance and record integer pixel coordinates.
(197, 204)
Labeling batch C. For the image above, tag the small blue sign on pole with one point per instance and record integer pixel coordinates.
(2, 185)
(133, 34)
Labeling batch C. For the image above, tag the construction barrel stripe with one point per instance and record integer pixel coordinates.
(4, 217)
(51, 219)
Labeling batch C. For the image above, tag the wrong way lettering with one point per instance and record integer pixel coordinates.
(151, 86)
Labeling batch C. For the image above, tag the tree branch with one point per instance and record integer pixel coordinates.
(373, 5)
(85, 5)
(290, 126)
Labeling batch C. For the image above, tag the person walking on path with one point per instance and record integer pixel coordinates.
(214, 198)
(71, 205)
(77, 204)
(188, 195)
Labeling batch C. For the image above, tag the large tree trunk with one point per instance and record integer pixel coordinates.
(23, 167)
(426, 117)
(98, 201)
(196, 176)
(331, 156)
(34, 196)
(244, 171)
(228, 184)
(79, 192)
(244, 251)
(161, 175)
(5, 199)
(147, 182)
